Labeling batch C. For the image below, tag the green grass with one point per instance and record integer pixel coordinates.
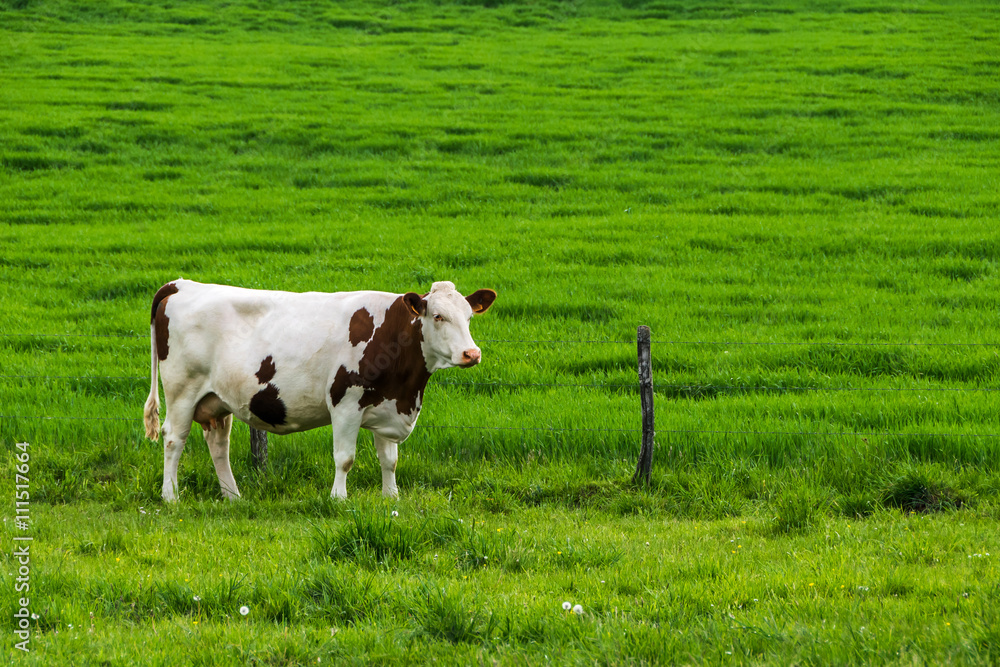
(799, 198)
(169, 583)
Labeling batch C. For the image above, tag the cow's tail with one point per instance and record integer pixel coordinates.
(151, 413)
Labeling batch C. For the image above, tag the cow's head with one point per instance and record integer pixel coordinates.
(445, 316)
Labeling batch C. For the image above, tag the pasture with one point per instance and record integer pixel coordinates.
(800, 198)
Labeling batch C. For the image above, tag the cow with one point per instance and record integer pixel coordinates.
(285, 362)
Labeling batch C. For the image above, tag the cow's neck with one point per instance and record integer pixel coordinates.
(392, 366)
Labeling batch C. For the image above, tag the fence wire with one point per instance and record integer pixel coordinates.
(657, 386)
(660, 387)
(535, 429)
(732, 343)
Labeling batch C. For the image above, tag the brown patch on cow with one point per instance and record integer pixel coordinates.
(267, 370)
(266, 404)
(361, 328)
(392, 366)
(160, 321)
(348, 465)
(161, 294)
(481, 300)
(268, 407)
(341, 381)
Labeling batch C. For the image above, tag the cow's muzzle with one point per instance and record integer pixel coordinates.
(470, 358)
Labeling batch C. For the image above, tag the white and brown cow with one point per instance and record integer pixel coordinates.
(286, 362)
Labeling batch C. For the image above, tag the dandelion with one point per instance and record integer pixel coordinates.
(578, 609)
(197, 598)
(244, 610)
(395, 513)
(567, 606)
(35, 617)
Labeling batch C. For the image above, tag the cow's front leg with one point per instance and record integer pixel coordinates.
(387, 459)
(345, 443)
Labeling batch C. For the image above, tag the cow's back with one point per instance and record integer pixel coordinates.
(222, 321)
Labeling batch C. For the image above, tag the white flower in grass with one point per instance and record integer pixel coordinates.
(567, 606)
(578, 609)
(197, 598)
(395, 513)
(35, 617)
(244, 610)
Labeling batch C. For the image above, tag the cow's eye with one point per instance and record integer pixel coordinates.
(438, 318)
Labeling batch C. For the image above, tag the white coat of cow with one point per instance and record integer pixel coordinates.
(286, 362)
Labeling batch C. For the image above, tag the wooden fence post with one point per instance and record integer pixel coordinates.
(644, 467)
(258, 447)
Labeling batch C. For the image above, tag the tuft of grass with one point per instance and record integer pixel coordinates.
(370, 538)
(340, 597)
(919, 490)
(500, 549)
(452, 616)
(795, 510)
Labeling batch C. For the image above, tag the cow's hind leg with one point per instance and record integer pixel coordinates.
(176, 428)
(217, 438)
(387, 454)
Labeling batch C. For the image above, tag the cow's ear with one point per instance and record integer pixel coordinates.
(416, 304)
(481, 300)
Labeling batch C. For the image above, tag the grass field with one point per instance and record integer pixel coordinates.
(799, 198)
